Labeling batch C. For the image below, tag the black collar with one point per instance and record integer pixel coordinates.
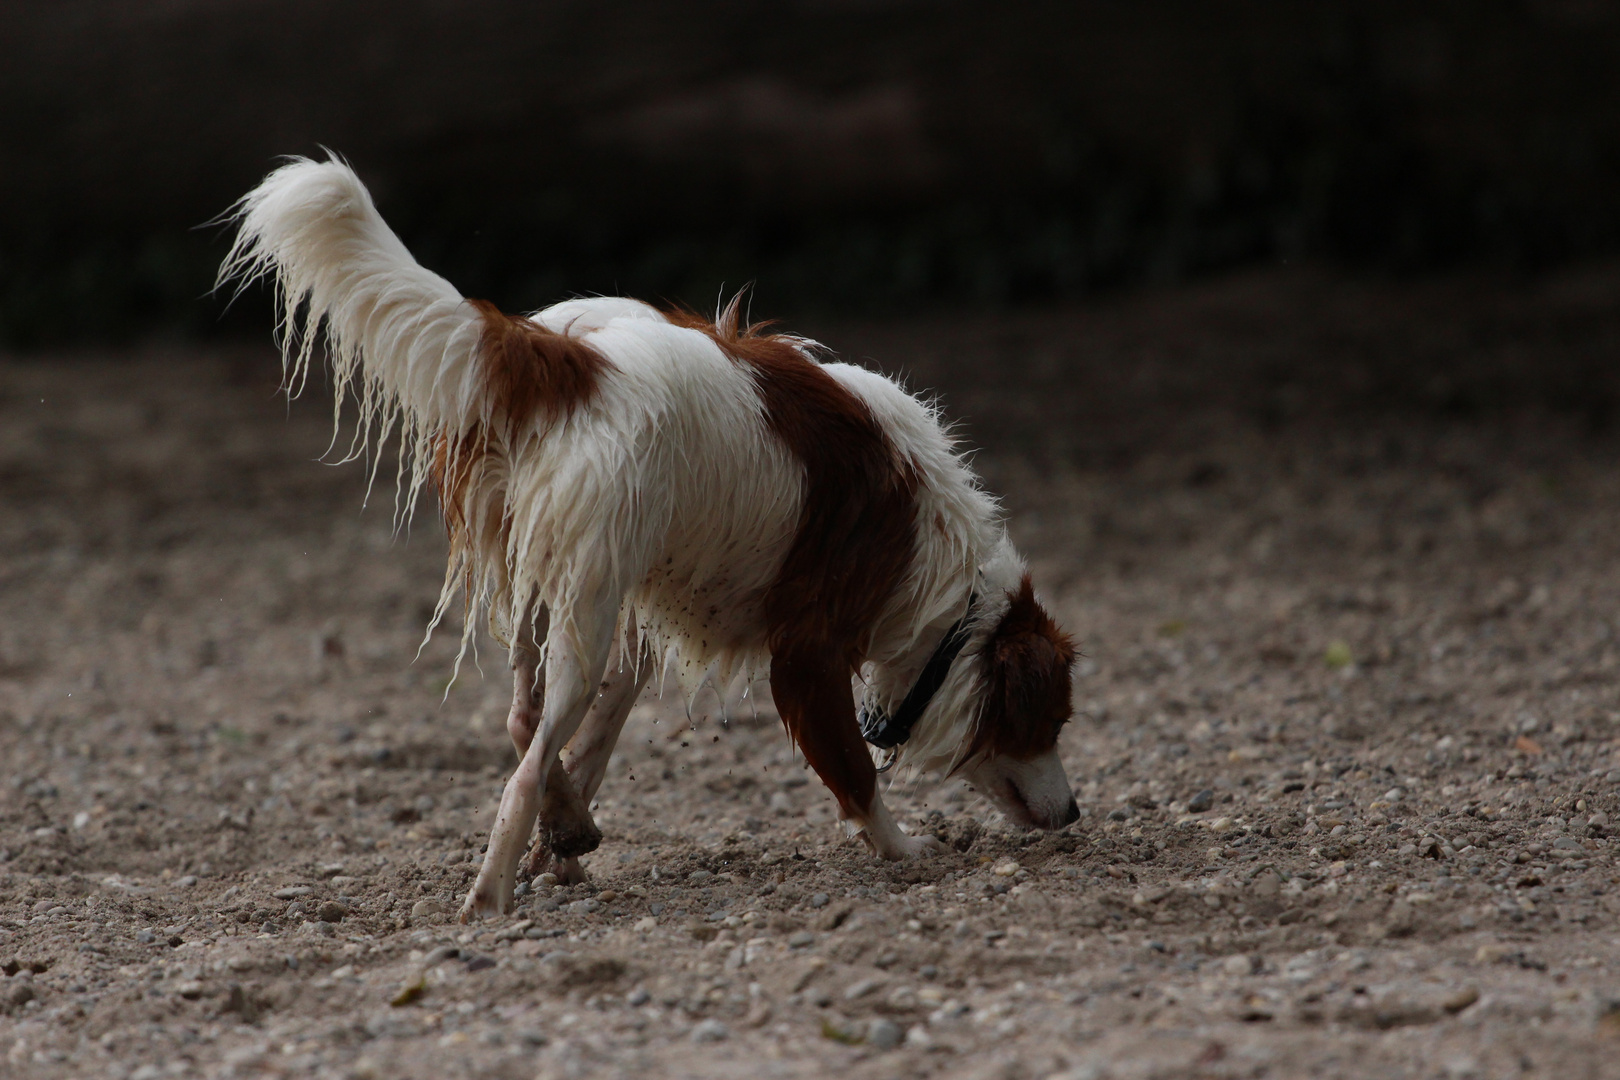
(887, 732)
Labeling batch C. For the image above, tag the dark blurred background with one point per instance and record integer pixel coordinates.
(848, 156)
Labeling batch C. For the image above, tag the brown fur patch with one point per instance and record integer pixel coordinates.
(530, 370)
(1027, 682)
(453, 463)
(856, 537)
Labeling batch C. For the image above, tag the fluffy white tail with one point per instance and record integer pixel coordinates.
(399, 336)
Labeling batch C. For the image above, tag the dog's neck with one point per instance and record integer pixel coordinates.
(931, 735)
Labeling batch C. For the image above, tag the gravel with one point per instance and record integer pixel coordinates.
(1404, 867)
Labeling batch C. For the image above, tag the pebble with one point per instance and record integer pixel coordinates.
(699, 875)
(1006, 869)
(331, 912)
(1460, 999)
(292, 892)
(819, 900)
(547, 879)
(884, 1034)
(423, 908)
(637, 998)
(710, 1031)
(860, 989)
(1240, 964)
(1201, 802)
(583, 907)
(801, 939)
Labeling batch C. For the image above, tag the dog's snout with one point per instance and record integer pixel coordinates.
(1072, 814)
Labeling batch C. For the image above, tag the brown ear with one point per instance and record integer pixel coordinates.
(1027, 682)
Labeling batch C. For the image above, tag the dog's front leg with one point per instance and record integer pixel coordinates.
(540, 786)
(811, 688)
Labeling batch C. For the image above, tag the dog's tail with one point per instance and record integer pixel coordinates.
(400, 337)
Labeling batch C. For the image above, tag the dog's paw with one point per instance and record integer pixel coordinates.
(922, 846)
(569, 839)
(542, 861)
(482, 903)
(904, 847)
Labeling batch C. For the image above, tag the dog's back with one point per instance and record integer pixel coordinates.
(670, 485)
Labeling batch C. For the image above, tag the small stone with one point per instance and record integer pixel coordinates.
(583, 907)
(884, 1034)
(710, 1031)
(1240, 964)
(1460, 999)
(1006, 869)
(1491, 954)
(547, 879)
(20, 995)
(439, 955)
(190, 990)
(292, 892)
(412, 990)
(637, 998)
(607, 896)
(423, 908)
(646, 923)
(699, 875)
(1201, 802)
(1221, 825)
(331, 912)
(819, 900)
(860, 989)
(1599, 820)
(802, 939)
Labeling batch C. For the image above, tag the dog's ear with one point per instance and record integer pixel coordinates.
(1026, 670)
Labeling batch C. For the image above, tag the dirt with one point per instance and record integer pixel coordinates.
(1342, 561)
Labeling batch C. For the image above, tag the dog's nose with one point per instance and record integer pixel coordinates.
(1072, 814)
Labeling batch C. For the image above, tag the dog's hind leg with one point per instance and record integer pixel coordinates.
(585, 759)
(528, 680)
(574, 665)
(811, 688)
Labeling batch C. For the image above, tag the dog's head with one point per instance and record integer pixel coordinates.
(1024, 702)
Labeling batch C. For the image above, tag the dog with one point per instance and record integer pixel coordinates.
(627, 488)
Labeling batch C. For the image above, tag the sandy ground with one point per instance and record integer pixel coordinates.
(1342, 561)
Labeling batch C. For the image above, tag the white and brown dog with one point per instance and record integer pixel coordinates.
(625, 486)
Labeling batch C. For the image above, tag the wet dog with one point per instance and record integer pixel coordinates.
(627, 489)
